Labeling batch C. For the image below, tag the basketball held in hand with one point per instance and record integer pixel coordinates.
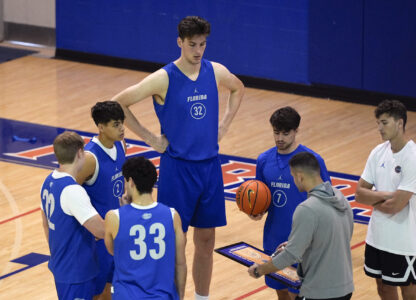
(253, 197)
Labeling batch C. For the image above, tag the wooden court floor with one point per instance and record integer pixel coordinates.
(60, 93)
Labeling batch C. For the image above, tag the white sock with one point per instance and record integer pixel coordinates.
(199, 297)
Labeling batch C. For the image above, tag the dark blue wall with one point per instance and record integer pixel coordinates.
(336, 42)
(265, 38)
(363, 44)
(390, 46)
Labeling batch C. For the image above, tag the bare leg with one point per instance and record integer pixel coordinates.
(292, 295)
(409, 292)
(204, 240)
(284, 295)
(386, 292)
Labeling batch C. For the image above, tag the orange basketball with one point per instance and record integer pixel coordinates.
(253, 197)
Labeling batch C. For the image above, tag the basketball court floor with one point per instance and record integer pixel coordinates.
(40, 96)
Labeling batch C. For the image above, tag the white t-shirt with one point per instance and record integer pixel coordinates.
(388, 171)
(75, 200)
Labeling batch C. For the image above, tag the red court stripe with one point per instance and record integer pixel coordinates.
(252, 292)
(21, 215)
(357, 245)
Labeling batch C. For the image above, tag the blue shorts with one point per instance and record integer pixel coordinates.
(195, 189)
(106, 267)
(274, 284)
(71, 291)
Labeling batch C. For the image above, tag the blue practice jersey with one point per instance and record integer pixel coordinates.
(144, 253)
(273, 169)
(109, 184)
(189, 115)
(71, 245)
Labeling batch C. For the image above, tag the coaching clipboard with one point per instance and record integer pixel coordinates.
(247, 255)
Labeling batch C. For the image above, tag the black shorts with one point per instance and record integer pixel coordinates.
(393, 269)
(346, 297)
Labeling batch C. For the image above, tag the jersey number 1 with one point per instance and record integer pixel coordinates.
(143, 246)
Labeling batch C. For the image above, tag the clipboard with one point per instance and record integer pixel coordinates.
(247, 255)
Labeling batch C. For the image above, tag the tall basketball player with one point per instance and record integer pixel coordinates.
(185, 97)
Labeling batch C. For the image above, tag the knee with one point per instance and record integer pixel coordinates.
(384, 289)
(409, 292)
(204, 240)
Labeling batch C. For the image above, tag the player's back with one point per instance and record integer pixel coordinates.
(144, 253)
(71, 245)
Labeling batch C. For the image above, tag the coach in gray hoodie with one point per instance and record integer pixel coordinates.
(320, 237)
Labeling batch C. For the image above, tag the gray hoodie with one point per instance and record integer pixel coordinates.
(320, 242)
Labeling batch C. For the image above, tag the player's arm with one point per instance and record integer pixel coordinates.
(76, 202)
(405, 190)
(154, 84)
(300, 239)
(88, 168)
(364, 194)
(45, 225)
(324, 171)
(395, 204)
(235, 86)
(111, 229)
(257, 271)
(95, 225)
(180, 260)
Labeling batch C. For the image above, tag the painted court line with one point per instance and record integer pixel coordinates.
(265, 286)
(19, 227)
(357, 245)
(252, 292)
(18, 216)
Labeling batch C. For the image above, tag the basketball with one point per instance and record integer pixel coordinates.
(253, 197)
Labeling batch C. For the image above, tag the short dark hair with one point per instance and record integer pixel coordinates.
(305, 161)
(285, 119)
(142, 171)
(393, 108)
(66, 146)
(193, 25)
(104, 112)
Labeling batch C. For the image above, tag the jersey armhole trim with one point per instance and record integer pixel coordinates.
(92, 180)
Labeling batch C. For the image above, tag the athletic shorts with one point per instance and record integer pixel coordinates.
(195, 189)
(393, 269)
(105, 266)
(346, 297)
(71, 291)
(274, 284)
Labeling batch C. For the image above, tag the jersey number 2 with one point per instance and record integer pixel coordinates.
(143, 246)
(49, 207)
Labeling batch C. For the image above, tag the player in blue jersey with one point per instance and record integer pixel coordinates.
(146, 239)
(185, 97)
(70, 222)
(102, 178)
(272, 168)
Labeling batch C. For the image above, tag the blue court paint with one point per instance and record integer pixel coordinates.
(33, 147)
(30, 260)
